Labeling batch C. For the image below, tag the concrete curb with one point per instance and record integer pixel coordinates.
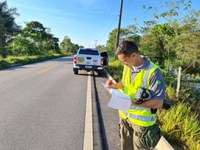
(163, 144)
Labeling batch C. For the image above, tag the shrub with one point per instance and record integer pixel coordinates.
(171, 93)
(6, 63)
(181, 126)
(115, 69)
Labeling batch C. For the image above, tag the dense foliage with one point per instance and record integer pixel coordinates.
(33, 39)
(67, 46)
(171, 44)
(8, 27)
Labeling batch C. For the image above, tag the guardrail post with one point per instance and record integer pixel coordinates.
(178, 81)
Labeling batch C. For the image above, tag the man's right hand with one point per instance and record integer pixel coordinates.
(109, 83)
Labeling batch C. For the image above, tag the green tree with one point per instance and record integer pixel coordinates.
(129, 33)
(41, 36)
(54, 45)
(76, 47)
(20, 46)
(168, 11)
(66, 45)
(168, 44)
(157, 44)
(8, 27)
(38, 41)
(101, 48)
(188, 42)
(111, 42)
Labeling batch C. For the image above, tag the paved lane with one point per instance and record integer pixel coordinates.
(105, 119)
(42, 107)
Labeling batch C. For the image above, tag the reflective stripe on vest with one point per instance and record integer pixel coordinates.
(138, 115)
(143, 118)
(138, 108)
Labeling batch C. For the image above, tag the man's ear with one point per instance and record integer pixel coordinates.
(132, 55)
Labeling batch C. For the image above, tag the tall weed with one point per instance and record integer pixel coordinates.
(115, 69)
(180, 125)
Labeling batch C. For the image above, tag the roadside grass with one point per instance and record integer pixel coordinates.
(180, 125)
(10, 61)
(115, 69)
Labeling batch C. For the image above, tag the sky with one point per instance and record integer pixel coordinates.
(85, 22)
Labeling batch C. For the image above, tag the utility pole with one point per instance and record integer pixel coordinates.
(119, 25)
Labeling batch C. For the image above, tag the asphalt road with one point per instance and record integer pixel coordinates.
(105, 119)
(43, 105)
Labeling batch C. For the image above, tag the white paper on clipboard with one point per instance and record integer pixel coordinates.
(118, 100)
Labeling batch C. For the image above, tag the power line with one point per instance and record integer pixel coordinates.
(108, 12)
(109, 26)
(106, 17)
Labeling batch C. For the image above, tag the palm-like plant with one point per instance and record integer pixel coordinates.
(7, 26)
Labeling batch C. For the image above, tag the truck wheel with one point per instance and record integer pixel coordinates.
(100, 73)
(75, 71)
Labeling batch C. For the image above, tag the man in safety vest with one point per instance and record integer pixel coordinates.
(138, 128)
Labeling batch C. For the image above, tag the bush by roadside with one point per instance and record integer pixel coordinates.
(22, 60)
(115, 69)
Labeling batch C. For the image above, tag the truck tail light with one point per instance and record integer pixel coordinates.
(102, 61)
(75, 59)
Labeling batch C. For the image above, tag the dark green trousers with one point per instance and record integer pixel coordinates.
(134, 137)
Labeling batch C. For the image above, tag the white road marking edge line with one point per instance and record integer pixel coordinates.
(88, 134)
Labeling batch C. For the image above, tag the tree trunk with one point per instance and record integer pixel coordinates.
(3, 51)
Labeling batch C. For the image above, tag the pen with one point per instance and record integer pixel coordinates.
(111, 80)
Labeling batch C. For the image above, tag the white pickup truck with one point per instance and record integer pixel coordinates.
(88, 59)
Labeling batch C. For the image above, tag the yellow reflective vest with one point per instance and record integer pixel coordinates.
(140, 116)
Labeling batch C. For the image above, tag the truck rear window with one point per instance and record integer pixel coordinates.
(88, 52)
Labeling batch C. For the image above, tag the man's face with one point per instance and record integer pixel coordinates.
(126, 60)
